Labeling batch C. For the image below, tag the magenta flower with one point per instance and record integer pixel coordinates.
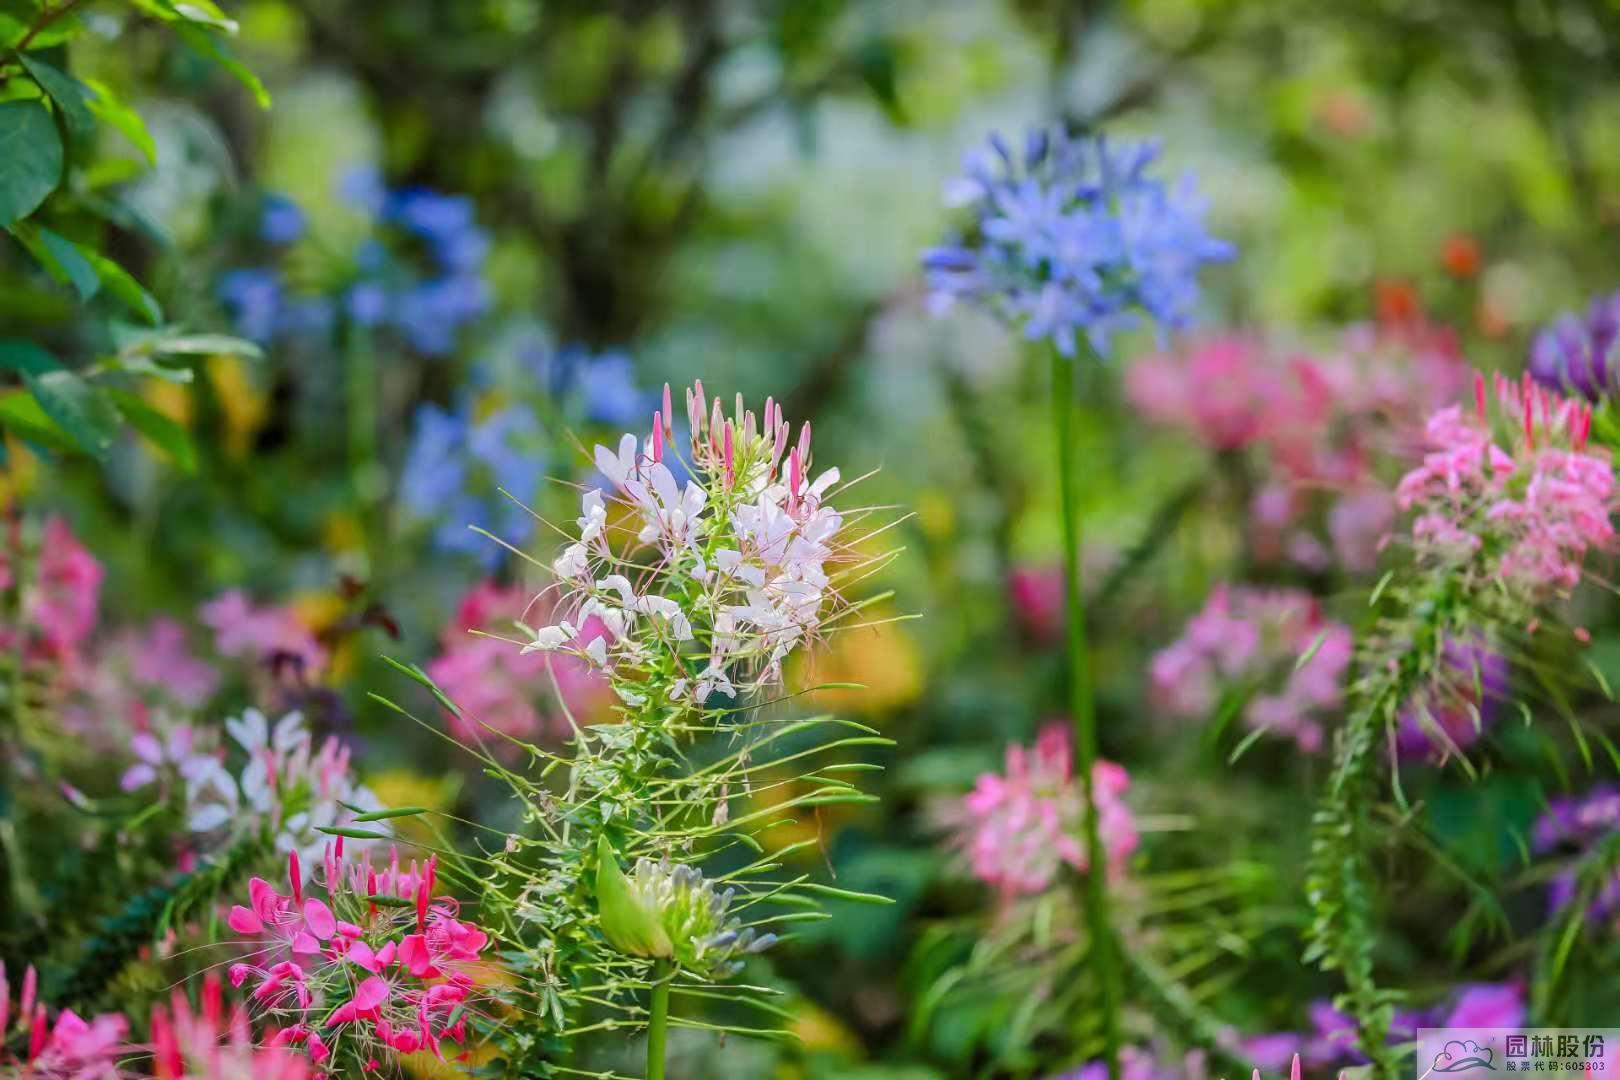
(69, 589)
(1227, 391)
(381, 959)
(71, 1048)
(1250, 640)
(205, 1045)
(1019, 828)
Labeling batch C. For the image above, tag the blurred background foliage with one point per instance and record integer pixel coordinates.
(469, 234)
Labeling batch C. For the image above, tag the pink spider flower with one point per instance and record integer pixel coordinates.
(386, 960)
(501, 689)
(71, 1048)
(1532, 500)
(1251, 641)
(68, 590)
(245, 631)
(204, 1044)
(1020, 827)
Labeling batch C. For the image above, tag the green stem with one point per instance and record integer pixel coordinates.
(1094, 896)
(658, 1021)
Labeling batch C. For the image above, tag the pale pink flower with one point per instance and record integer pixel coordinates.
(1020, 827)
(1251, 640)
(160, 661)
(499, 688)
(245, 631)
(1228, 391)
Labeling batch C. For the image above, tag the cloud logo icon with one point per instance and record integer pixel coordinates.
(1462, 1055)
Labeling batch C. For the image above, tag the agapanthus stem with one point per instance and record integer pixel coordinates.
(658, 1020)
(1094, 895)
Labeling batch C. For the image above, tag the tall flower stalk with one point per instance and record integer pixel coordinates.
(1506, 505)
(643, 880)
(1071, 241)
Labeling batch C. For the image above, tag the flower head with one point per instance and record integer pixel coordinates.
(1018, 828)
(1577, 355)
(70, 1048)
(730, 571)
(1074, 236)
(204, 1044)
(1524, 507)
(1253, 641)
(381, 960)
(665, 910)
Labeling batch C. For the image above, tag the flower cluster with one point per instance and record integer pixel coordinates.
(204, 1044)
(1576, 355)
(418, 272)
(1573, 825)
(1074, 236)
(496, 688)
(61, 591)
(668, 911)
(70, 1048)
(1018, 828)
(287, 785)
(729, 572)
(1526, 508)
(381, 961)
(1319, 426)
(262, 634)
(1251, 641)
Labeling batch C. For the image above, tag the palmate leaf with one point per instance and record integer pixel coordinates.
(30, 158)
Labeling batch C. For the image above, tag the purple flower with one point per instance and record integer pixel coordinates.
(1460, 703)
(456, 470)
(1576, 824)
(1576, 355)
(1074, 237)
(1487, 1005)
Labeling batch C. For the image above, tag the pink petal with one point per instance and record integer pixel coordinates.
(320, 919)
(244, 921)
(317, 1049)
(371, 993)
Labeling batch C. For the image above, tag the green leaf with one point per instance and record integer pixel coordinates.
(161, 343)
(17, 18)
(61, 257)
(210, 46)
(25, 358)
(30, 158)
(85, 412)
(196, 12)
(120, 284)
(120, 117)
(71, 95)
(22, 416)
(162, 431)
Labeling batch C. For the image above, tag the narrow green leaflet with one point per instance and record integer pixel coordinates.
(112, 111)
(210, 46)
(70, 95)
(85, 412)
(30, 158)
(163, 432)
(21, 415)
(62, 258)
(128, 291)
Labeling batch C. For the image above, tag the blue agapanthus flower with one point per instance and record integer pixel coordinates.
(457, 467)
(1577, 355)
(1074, 236)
